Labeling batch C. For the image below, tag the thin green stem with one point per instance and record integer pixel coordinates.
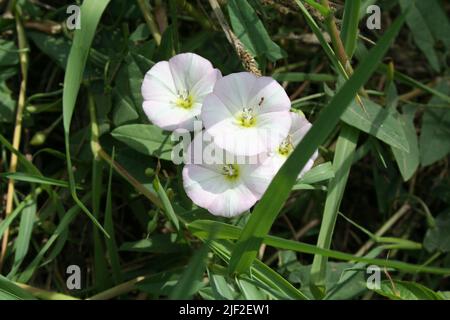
(23, 58)
(146, 12)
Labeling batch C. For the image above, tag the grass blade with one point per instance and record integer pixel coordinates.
(10, 291)
(349, 32)
(91, 12)
(342, 162)
(260, 272)
(60, 229)
(25, 177)
(194, 271)
(345, 149)
(203, 229)
(24, 236)
(168, 209)
(111, 245)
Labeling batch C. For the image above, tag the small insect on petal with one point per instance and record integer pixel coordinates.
(247, 114)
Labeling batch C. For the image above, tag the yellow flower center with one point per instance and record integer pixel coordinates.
(184, 100)
(230, 171)
(246, 118)
(285, 148)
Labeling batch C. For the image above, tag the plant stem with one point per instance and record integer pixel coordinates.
(247, 59)
(384, 228)
(23, 57)
(145, 9)
(342, 162)
(194, 13)
(132, 180)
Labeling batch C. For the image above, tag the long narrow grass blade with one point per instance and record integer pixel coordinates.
(349, 32)
(111, 245)
(90, 13)
(204, 228)
(343, 157)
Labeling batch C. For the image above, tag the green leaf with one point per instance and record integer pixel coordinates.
(187, 285)
(403, 78)
(376, 121)
(145, 138)
(249, 290)
(9, 55)
(405, 290)
(135, 74)
(5, 223)
(260, 272)
(22, 243)
(251, 31)
(7, 104)
(349, 32)
(220, 287)
(437, 20)
(91, 11)
(434, 139)
(102, 280)
(204, 228)
(319, 173)
(423, 37)
(352, 282)
(438, 236)
(57, 48)
(320, 36)
(160, 243)
(167, 205)
(342, 162)
(162, 284)
(26, 177)
(272, 201)
(300, 77)
(111, 244)
(70, 215)
(407, 162)
(10, 291)
(350, 277)
(124, 110)
(166, 48)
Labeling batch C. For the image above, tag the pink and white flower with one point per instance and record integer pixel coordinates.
(246, 114)
(226, 187)
(174, 90)
(300, 126)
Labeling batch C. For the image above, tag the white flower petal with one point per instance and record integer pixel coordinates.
(237, 94)
(300, 126)
(169, 116)
(258, 177)
(188, 69)
(210, 190)
(234, 91)
(267, 95)
(186, 76)
(209, 187)
(158, 83)
(205, 85)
